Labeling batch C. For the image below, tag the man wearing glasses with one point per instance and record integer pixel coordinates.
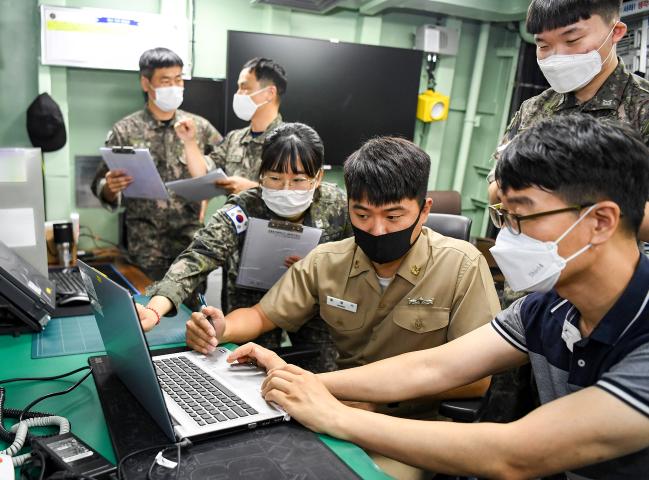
(576, 43)
(573, 197)
(395, 287)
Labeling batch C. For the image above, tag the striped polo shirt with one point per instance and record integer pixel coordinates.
(615, 357)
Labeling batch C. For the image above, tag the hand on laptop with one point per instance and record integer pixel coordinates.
(203, 335)
(262, 357)
(305, 398)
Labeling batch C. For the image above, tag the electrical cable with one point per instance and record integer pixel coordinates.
(5, 434)
(69, 476)
(431, 64)
(185, 442)
(178, 462)
(21, 428)
(55, 394)
(41, 457)
(132, 454)
(149, 474)
(96, 238)
(193, 5)
(55, 377)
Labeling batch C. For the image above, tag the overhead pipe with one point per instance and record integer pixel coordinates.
(471, 107)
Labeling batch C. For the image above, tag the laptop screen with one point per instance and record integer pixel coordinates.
(125, 343)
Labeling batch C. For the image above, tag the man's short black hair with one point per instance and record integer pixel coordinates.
(543, 15)
(582, 160)
(387, 170)
(289, 143)
(158, 58)
(268, 71)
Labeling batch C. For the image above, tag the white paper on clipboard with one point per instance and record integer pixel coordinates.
(266, 246)
(199, 188)
(137, 163)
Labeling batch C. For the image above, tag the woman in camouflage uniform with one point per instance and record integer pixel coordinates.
(291, 188)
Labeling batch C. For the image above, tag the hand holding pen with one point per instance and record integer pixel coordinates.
(205, 328)
(201, 298)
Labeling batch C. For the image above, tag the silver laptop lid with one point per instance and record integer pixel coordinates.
(126, 344)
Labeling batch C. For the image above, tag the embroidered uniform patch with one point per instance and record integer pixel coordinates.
(238, 218)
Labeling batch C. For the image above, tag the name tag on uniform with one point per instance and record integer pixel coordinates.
(570, 334)
(343, 304)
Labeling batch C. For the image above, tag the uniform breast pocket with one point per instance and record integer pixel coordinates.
(234, 165)
(420, 318)
(340, 319)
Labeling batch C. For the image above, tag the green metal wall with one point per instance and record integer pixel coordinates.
(93, 100)
(18, 68)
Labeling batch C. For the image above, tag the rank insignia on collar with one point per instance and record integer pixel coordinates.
(415, 269)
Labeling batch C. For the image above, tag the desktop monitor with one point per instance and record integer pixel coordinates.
(206, 97)
(22, 205)
(347, 92)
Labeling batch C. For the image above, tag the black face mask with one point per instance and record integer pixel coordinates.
(387, 247)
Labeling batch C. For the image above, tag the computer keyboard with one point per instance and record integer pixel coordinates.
(201, 396)
(68, 281)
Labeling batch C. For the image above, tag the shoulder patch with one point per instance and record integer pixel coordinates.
(238, 218)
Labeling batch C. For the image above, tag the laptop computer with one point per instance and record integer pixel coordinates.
(188, 394)
(26, 296)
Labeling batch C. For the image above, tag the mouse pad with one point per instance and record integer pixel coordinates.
(286, 451)
(80, 334)
(277, 452)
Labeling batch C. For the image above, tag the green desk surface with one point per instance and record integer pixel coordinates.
(82, 407)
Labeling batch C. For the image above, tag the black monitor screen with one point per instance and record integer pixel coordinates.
(346, 91)
(206, 97)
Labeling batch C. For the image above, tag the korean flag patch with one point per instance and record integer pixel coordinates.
(238, 218)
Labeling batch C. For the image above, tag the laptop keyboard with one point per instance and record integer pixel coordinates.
(67, 281)
(201, 396)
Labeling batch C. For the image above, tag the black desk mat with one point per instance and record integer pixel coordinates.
(286, 451)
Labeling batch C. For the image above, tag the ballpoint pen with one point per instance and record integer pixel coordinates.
(201, 299)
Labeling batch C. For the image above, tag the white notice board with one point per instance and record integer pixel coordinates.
(108, 39)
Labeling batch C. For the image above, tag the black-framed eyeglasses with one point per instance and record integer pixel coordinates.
(501, 217)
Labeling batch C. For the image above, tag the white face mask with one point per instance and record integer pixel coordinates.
(244, 106)
(567, 73)
(287, 203)
(168, 99)
(529, 264)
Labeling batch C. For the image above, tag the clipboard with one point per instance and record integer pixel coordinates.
(137, 163)
(266, 246)
(199, 188)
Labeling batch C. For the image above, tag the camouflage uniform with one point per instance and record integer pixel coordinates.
(240, 152)
(623, 96)
(157, 230)
(219, 244)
